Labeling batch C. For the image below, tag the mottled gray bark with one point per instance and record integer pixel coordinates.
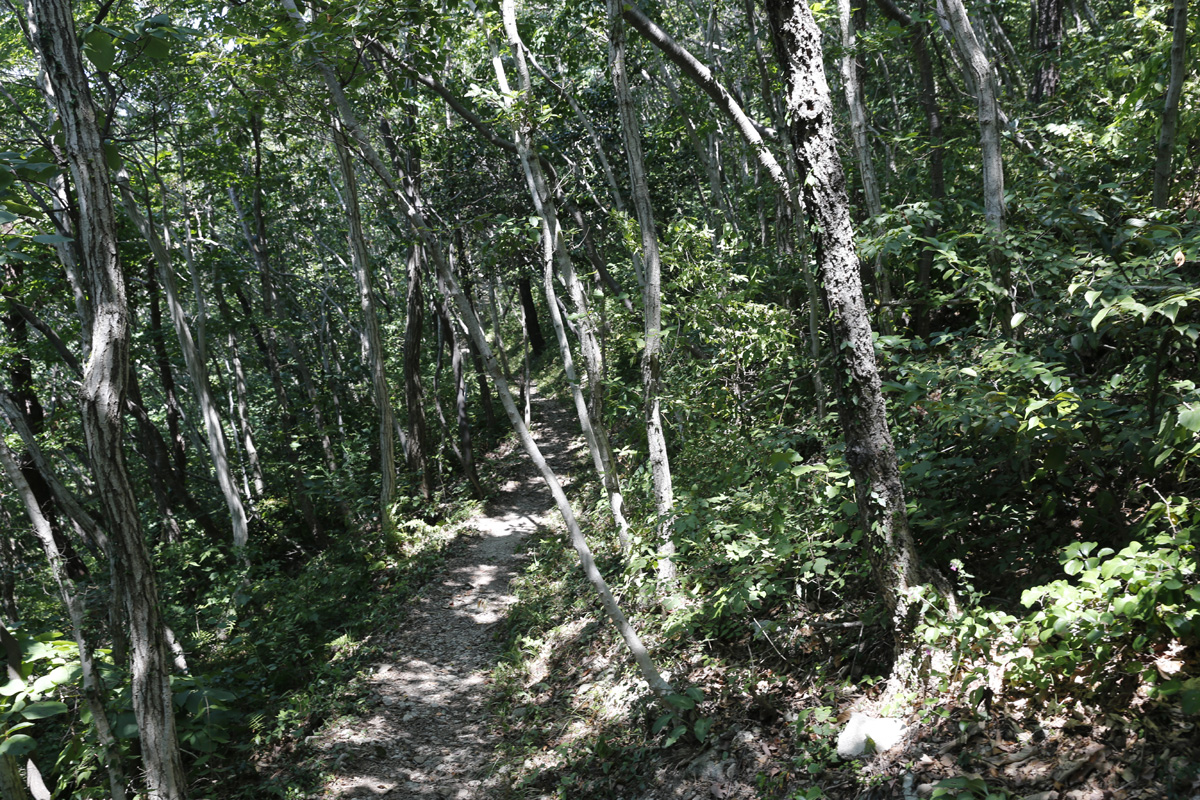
(1046, 29)
(660, 465)
(102, 391)
(870, 453)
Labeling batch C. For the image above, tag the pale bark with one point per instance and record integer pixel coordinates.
(554, 250)
(196, 366)
(980, 81)
(870, 453)
(852, 88)
(103, 390)
(1164, 149)
(241, 392)
(376, 361)
(75, 602)
(406, 200)
(660, 466)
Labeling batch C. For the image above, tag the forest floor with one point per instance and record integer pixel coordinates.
(452, 711)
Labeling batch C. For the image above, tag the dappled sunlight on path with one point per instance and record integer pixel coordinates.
(429, 734)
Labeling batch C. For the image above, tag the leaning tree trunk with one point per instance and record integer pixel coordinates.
(74, 600)
(406, 200)
(660, 465)
(555, 250)
(1170, 120)
(870, 453)
(196, 366)
(102, 392)
(375, 357)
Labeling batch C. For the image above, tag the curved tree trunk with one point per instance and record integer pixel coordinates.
(196, 366)
(102, 392)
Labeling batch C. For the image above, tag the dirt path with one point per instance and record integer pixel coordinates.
(430, 735)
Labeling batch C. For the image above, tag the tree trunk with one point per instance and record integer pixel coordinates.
(660, 466)
(1047, 35)
(870, 453)
(165, 376)
(374, 339)
(533, 329)
(918, 38)
(418, 452)
(407, 201)
(75, 602)
(981, 82)
(852, 88)
(102, 392)
(196, 366)
(241, 392)
(1164, 149)
(554, 248)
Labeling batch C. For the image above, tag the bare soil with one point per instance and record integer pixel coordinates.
(429, 734)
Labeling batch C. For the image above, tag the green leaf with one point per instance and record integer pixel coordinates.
(100, 49)
(1017, 319)
(46, 708)
(704, 725)
(52, 238)
(1189, 418)
(673, 736)
(1189, 700)
(17, 745)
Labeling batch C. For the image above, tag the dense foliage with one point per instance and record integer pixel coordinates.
(1042, 381)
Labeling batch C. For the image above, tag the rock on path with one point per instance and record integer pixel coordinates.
(430, 736)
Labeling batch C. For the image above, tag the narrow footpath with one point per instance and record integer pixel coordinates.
(429, 735)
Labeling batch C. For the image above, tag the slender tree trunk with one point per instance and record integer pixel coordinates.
(917, 33)
(980, 81)
(196, 366)
(1047, 36)
(75, 603)
(407, 201)
(533, 329)
(554, 248)
(660, 466)
(852, 88)
(102, 392)
(370, 321)
(870, 453)
(241, 392)
(1164, 149)
(418, 453)
(9, 611)
(174, 411)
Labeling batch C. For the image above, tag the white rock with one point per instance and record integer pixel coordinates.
(864, 735)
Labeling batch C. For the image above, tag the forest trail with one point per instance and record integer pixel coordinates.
(430, 734)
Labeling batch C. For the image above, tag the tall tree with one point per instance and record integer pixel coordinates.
(660, 464)
(102, 394)
(376, 362)
(1046, 33)
(870, 453)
